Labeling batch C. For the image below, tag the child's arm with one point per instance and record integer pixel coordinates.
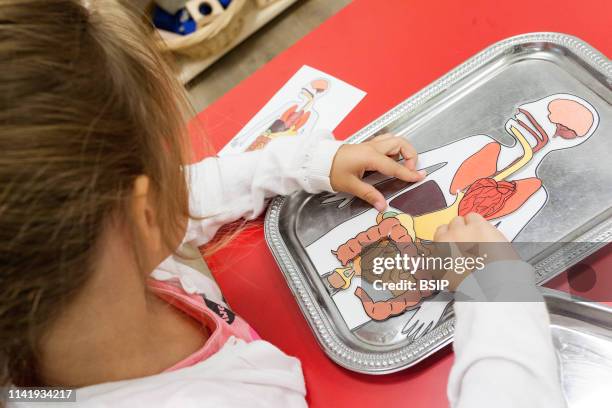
(504, 355)
(236, 186)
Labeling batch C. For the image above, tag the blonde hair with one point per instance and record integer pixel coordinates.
(88, 105)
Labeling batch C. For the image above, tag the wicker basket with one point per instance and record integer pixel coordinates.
(212, 37)
(264, 3)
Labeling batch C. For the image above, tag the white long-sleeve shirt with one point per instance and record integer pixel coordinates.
(504, 355)
(505, 362)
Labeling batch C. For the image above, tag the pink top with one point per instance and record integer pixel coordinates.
(218, 319)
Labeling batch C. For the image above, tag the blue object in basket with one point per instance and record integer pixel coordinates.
(205, 8)
(180, 22)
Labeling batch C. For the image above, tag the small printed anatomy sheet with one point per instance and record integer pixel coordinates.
(309, 101)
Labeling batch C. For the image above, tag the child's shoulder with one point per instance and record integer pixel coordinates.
(191, 280)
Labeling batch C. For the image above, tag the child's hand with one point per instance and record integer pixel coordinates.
(471, 228)
(473, 236)
(379, 154)
(476, 236)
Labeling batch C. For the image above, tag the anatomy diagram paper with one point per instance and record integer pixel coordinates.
(309, 101)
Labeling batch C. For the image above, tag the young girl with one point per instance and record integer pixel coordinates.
(95, 199)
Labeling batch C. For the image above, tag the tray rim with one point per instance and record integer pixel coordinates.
(388, 362)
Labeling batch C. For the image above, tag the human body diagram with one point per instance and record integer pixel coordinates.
(292, 119)
(473, 174)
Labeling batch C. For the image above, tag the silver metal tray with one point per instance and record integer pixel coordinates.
(474, 105)
(582, 335)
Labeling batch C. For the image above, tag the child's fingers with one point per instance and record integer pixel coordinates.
(395, 145)
(390, 167)
(368, 193)
(383, 137)
(409, 162)
(457, 222)
(441, 231)
(401, 146)
(474, 218)
(408, 151)
(391, 145)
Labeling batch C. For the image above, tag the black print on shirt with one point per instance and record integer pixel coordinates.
(222, 311)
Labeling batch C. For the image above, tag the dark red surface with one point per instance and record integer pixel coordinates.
(390, 49)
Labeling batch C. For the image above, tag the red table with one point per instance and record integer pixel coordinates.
(390, 49)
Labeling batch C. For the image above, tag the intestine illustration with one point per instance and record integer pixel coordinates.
(473, 174)
(295, 118)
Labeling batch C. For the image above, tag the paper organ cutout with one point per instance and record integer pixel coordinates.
(474, 174)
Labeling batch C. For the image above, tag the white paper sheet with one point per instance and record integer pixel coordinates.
(310, 100)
